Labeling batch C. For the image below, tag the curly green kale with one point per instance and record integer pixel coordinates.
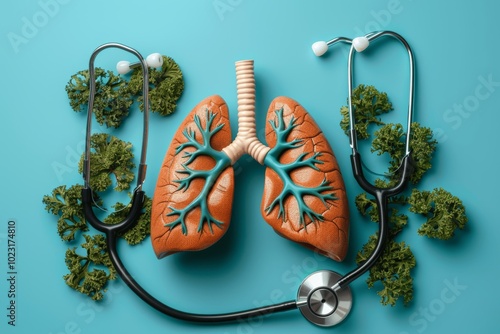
(391, 138)
(393, 270)
(141, 230)
(111, 157)
(85, 275)
(368, 207)
(368, 104)
(66, 203)
(445, 213)
(112, 99)
(165, 87)
(90, 273)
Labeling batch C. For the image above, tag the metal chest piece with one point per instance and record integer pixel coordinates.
(319, 303)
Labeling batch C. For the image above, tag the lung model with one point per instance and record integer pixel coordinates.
(304, 196)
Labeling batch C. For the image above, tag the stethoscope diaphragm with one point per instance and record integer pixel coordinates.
(320, 303)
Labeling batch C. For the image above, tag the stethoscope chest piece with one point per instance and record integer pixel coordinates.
(319, 303)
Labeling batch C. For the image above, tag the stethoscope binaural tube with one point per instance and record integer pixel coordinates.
(381, 194)
(145, 88)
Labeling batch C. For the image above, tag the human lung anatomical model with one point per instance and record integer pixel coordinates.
(304, 195)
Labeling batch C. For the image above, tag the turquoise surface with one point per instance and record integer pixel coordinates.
(457, 94)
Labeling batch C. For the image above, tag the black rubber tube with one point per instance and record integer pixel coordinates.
(165, 309)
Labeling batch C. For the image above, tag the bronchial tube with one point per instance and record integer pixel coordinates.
(246, 140)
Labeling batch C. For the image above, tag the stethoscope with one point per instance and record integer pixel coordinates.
(324, 297)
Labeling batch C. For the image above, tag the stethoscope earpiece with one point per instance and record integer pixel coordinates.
(360, 43)
(319, 48)
(154, 60)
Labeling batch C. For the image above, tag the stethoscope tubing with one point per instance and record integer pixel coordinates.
(112, 238)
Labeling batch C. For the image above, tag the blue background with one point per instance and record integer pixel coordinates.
(456, 49)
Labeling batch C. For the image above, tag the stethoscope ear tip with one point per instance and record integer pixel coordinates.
(360, 43)
(154, 60)
(123, 67)
(319, 48)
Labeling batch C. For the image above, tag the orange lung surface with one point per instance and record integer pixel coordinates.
(194, 192)
(304, 196)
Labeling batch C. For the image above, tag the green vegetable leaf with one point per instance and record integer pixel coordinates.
(391, 138)
(62, 200)
(445, 213)
(66, 203)
(141, 230)
(368, 104)
(111, 157)
(397, 221)
(364, 204)
(90, 273)
(392, 270)
(368, 207)
(422, 147)
(165, 87)
(111, 102)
